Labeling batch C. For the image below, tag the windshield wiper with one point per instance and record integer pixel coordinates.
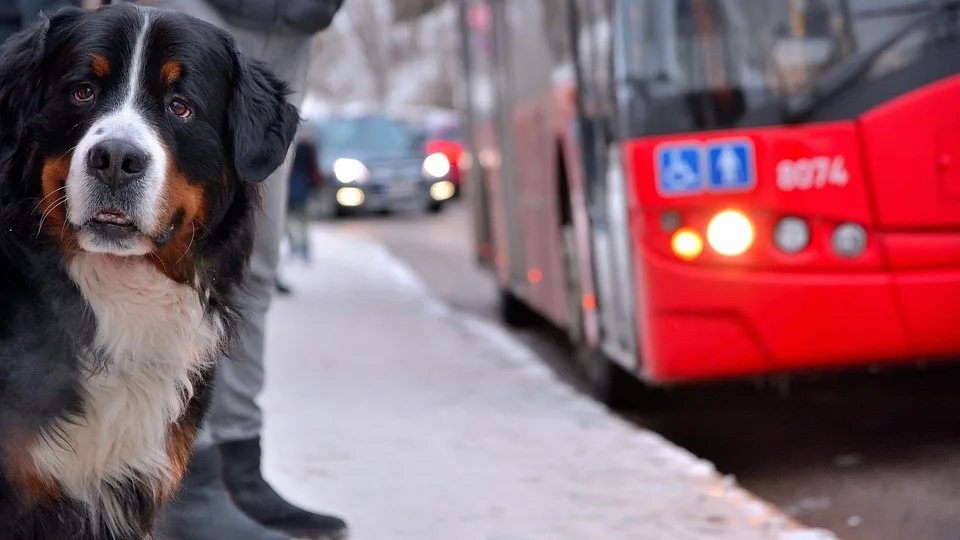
(798, 107)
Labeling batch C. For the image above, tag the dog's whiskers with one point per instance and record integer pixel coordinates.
(49, 211)
(47, 196)
(193, 234)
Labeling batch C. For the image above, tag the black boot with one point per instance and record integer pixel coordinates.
(201, 509)
(250, 492)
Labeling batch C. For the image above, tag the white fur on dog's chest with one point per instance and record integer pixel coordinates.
(153, 335)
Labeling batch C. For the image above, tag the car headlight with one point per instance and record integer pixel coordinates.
(350, 196)
(348, 170)
(442, 190)
(436, 165)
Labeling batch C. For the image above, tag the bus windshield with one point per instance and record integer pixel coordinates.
(720, 60)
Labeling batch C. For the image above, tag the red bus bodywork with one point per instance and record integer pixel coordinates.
(768, 311)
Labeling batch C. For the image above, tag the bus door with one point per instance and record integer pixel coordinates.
(606, 194)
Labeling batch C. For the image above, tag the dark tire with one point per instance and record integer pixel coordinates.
(434, 207)
(514, 312)
(612, 385)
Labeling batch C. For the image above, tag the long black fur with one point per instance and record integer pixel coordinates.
(44, 320)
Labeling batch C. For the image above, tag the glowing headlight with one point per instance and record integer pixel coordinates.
(849, 240)
(730, 233)
(791, 235)
(436, 165)
(349, 170)
(686, 244)
(350, 196)
(442, 190)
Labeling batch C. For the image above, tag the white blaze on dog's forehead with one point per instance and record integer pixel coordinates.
(125, 120)
(137, 63)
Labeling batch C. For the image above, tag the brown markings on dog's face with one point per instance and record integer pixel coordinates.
(100, 65)
(170, 72)
(53, 201)
(179, 443)
(185, 213)
(19, 467)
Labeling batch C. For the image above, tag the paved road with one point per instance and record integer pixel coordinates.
(868, 456)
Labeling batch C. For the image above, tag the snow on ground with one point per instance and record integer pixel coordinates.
(414, 421)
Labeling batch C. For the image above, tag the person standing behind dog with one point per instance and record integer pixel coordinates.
(223, 495)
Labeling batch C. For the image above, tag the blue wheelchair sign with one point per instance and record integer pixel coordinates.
(731, 165)
(678, 169)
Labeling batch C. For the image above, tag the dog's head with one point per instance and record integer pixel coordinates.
(140, 132)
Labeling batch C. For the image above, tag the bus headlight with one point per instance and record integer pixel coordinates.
(348, 170)
(791, 235)
(436, 165)
(730, 233)
(849, 240)
(686, 244)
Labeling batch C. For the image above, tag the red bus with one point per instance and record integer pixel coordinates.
(706, 189)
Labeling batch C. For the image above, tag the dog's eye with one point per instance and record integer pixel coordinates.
(179, 108)
(83, 93)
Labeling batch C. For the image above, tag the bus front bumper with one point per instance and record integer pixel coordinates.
(699, 323)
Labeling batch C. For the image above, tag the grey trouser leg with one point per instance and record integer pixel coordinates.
(234, 413)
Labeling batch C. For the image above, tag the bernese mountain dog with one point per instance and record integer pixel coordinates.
(132, 141)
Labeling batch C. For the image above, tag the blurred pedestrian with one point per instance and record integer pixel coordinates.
(304, 178)
(224, 495)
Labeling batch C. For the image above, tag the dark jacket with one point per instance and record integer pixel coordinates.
(16, 15)
(303, 175)
(307, 16)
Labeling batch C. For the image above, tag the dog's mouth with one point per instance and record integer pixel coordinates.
(113, 224)
(118, 228)
(113, 217)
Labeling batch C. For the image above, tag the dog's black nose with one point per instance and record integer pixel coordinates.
(117, 162)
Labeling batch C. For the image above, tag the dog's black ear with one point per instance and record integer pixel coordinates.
(261, 120)
(21, 71)
(21, 76)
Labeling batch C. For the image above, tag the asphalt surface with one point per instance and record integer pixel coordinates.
(869, 455)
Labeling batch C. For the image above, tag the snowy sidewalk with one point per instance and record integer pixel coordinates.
(418, 423)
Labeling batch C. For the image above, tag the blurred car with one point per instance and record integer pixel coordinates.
(376, 162)
(446, 141)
